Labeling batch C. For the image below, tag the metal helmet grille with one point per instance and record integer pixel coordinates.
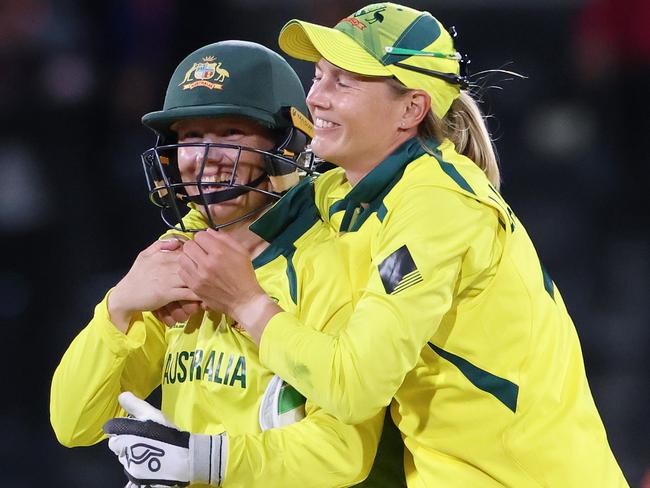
(174, 196)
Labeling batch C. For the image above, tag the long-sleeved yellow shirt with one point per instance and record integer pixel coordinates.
(212, 379)
(456, 322)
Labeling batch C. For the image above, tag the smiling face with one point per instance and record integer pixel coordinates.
(358, 121)
(219, 161)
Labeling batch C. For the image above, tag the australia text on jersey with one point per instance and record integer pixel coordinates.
(196, 366)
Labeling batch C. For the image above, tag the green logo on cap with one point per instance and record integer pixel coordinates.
(384, 26)
(374, 11)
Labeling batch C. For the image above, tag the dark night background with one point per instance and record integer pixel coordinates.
(75, 78)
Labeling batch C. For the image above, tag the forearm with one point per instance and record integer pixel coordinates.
(255, 314)
(331, 370)
(317, 451)
(353, 374)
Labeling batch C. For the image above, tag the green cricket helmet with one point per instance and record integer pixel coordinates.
(226, 79)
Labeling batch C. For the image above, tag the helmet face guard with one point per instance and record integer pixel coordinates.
(168, 191)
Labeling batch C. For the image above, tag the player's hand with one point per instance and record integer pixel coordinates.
(219, 270)
(151, 283)
(177, 312)
(154, 452)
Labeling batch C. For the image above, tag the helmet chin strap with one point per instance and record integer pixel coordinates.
(225, 195)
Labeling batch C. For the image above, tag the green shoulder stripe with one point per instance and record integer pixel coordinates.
(503, 390)
(452, 172)
(548, 282)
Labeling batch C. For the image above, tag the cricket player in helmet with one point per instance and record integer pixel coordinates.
(180, 167)
(229, 139)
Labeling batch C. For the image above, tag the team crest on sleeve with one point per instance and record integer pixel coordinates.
(399, 272)
(208, 73)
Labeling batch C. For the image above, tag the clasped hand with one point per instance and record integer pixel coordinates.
(219, 271)
(176, 279)
(153, 282)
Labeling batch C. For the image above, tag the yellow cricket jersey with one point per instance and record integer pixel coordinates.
(457, 323)
(212, 379)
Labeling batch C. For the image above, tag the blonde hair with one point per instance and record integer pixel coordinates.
(465, 126)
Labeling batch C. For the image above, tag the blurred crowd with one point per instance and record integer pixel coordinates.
(75, 78)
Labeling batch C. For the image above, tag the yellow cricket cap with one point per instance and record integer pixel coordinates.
(385, 39)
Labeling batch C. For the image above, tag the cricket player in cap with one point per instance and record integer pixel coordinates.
(456, 323)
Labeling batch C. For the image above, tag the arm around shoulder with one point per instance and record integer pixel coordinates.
(416, 264)
(318, 451)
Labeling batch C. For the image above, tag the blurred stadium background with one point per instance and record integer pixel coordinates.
(75, 78)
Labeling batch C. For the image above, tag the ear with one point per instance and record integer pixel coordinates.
(417, 104)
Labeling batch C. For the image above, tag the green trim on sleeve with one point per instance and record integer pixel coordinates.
(503, 390)
(293, 281)
(548, 282)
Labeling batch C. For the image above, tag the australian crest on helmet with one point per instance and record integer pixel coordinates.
(201, 74)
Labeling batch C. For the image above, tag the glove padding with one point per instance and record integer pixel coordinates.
(154, 451)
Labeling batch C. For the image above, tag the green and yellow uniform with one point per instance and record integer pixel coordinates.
(457, 323)
(212, 379)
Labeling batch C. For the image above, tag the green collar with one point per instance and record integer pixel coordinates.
(286, 221)
(296, 211)
(373, 187)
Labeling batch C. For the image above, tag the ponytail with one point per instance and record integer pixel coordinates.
(465, 126)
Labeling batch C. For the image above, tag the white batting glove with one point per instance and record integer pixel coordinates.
(155, 453)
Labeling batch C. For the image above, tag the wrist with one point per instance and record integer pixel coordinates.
(119, 316)
(208, 458)
(255, 314)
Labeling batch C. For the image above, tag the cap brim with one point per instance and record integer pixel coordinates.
(311, 42)
(161, 121)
